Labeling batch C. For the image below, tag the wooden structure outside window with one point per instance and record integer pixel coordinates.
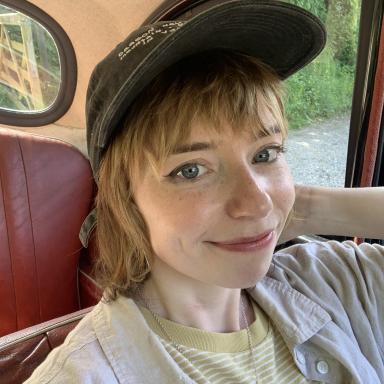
(20, 67)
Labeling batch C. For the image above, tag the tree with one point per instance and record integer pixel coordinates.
(342, 28)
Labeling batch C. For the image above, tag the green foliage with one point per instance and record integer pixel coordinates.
(43, 41)
(317, 7)
(11, 99)
(324, 88)
(342, 27)
(319, 91)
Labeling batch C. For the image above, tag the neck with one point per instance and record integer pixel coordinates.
(215, 310)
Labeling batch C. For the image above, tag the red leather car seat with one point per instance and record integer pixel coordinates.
(23, 351)
(46, 191)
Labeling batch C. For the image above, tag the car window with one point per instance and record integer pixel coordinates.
(38, 68)
(318, 98)
(30, 65)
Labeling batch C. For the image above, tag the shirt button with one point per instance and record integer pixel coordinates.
(322, 367)
(300, 357)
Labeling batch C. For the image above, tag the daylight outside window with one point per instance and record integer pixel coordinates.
(318, 98)
(29, 64)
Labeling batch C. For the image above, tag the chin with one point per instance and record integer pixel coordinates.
(246, 280)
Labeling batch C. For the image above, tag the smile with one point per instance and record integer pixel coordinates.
(247, 244)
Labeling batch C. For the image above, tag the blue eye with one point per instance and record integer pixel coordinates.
(188, 171)
(268, 155)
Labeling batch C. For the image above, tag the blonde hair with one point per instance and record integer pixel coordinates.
(212, 87)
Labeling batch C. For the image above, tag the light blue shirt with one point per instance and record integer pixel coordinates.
(326, 299)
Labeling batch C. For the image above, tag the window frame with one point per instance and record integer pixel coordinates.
(371, 18)
(68, 71)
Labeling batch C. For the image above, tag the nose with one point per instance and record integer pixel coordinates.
(249, 196)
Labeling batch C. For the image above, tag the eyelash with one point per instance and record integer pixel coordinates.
(278, 148)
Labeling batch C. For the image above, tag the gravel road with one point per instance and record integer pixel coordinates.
(317, 154)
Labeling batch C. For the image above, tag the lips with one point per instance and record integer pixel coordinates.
(247, 244)
(241, 240)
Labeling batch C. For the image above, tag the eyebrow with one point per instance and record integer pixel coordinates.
(194, 147)
(203, 146)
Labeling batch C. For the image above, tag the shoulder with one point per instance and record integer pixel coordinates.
(332, 253)
(346, 280)
(342, 277)
(79, 359)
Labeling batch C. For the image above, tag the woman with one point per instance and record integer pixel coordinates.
(186, 134)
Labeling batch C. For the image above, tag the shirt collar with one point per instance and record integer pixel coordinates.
(131, 347)
(295, 316)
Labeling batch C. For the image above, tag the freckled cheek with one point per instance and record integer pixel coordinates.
(287, 192)
(187, 211)
(282, 189)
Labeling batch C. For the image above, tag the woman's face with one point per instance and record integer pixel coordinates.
(217, 208)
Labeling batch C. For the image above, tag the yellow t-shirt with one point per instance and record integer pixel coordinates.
(224, 358)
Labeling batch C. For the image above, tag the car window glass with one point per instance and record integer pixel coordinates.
(29, 63)
(319, 98)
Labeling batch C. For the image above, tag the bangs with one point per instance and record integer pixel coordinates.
(215, 88)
